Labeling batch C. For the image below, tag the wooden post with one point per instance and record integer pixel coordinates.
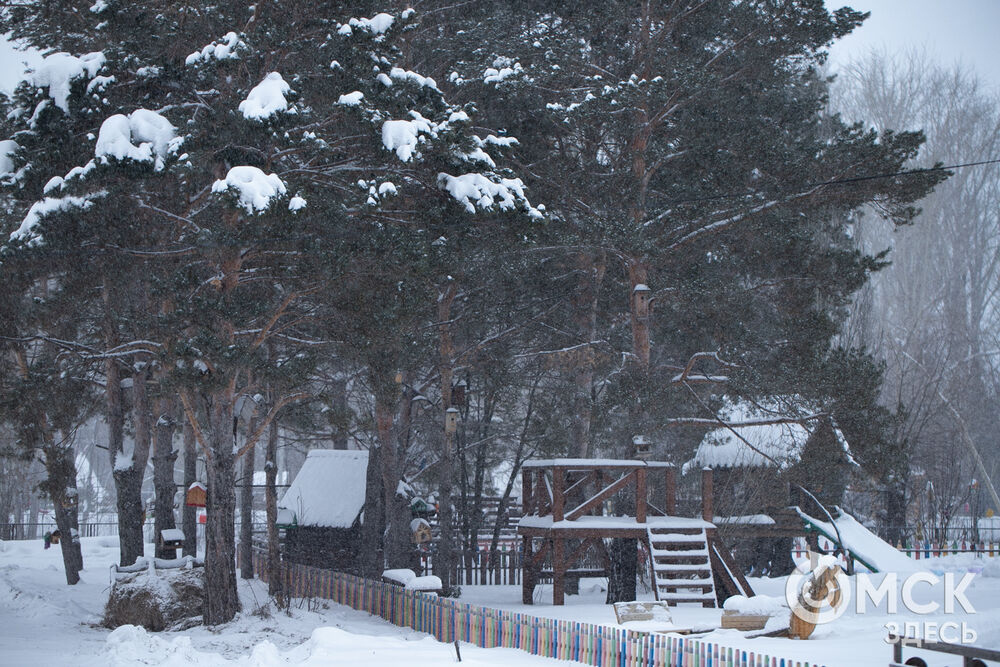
(558, 486)
(558, 571)
(525, 491)
(670, 489)
(598, 484)
(640, 495)
(541, 494)
(706, 495)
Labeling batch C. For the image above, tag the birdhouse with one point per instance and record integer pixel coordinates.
(196, 495)
(642, 447)
(421, 531)
(419, 506)
(458, 394)
(171, 539)
(641, 294)
(451, 420)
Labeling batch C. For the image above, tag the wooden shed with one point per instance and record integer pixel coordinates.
(322, 510)
(769, 450)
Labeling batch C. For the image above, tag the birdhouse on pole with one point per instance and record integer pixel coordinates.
(640, 295)
(451, 420)
(196, 495)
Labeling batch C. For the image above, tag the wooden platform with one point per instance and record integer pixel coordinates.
(603, 526)
(565, 507)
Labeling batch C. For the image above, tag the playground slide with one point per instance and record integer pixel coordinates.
(865, 546)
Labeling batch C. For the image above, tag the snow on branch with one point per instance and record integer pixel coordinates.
(220, 49)
(143, 136)
(476, 190)
(377, 25)
(27, 231)
(351, 99)
(403, 136)
(764, 421)
(687, 376)
(399, 74)
(58, 71)
(254, 190)
(7, 149)
(267, 99)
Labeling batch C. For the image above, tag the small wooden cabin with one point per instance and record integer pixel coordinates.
(758, 463)
(322, 510)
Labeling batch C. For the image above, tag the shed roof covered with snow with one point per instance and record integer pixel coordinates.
(329, 491)
(758, 441)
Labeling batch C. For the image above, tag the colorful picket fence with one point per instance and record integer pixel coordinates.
(914, 549)
(448, 620)
(928, 549)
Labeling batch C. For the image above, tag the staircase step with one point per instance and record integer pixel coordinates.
(692, 584)
(679, 552)
(677, 559)
(680, 575)
(687, 597)
(681, 569)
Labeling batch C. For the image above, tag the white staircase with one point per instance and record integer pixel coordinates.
(680, 565)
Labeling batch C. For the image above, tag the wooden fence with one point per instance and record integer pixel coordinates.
(918, 550)
(449, 620)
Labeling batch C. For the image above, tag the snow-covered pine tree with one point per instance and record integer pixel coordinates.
(254, 177)
(684, 146)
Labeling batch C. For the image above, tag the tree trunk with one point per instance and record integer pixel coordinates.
(129, 472)
(163, 474)
(621, 579)
(444, 561)
(397, 543)
(189, 521)
(624, 552)
(275, 584)
(339, 390)
(60, 485)
(591, 271)
(370, 551)
(128, 495)
(246, 506)
(130, 514)
(221, 597)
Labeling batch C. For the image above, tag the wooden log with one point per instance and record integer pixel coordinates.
(607, 492)
(558, 486)
(526, 500)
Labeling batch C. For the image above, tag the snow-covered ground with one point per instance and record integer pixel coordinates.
(44, 621)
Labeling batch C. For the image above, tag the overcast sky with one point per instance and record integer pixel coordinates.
(952, 30)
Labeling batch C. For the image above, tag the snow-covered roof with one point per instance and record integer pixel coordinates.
(766, 445)
(329, 491)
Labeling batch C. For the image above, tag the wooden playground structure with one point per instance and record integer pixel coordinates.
(566, 514)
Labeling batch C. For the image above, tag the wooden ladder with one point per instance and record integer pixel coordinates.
(680, 565)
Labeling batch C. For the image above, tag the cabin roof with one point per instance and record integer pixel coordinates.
(770, 445)
(329, 491)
